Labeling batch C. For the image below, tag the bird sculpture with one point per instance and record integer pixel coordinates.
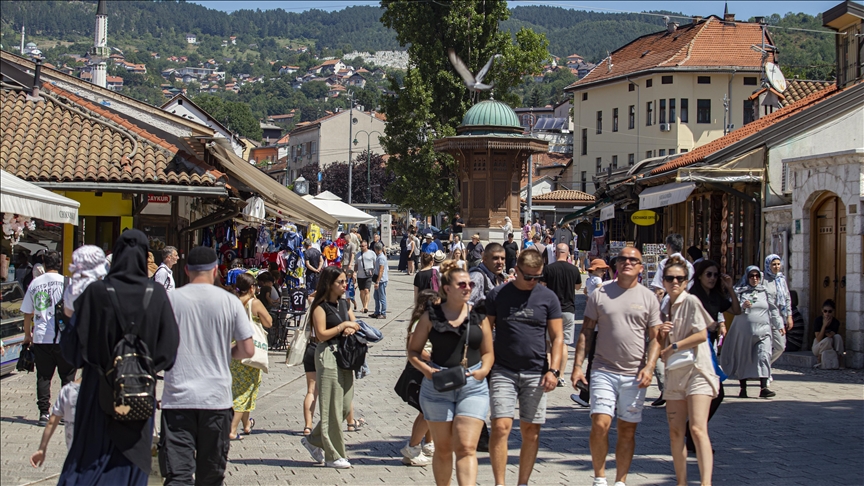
(474, 83)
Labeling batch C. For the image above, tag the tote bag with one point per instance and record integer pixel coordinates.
(299, 343)
(260, 359)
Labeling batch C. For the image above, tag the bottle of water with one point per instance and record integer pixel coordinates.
(10, 276)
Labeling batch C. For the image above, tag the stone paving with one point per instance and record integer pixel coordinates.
(812, 433)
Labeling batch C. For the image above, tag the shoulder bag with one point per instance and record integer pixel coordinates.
(454, 377)
(260, 359)
(299, 342)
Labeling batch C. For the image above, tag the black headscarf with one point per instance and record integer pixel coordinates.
(98, 331)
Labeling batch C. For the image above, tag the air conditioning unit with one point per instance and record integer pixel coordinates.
(665, 127)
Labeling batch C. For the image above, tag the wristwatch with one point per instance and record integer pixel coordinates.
(557, 373)
(674, 346)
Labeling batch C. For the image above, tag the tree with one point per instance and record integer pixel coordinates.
(334, 178)
(233, 114)
(434, 99)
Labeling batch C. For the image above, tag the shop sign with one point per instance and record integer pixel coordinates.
(154, 199)
(607, 213)
(644, 218)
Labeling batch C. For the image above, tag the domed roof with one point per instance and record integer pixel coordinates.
(491, 113)
(30, 44)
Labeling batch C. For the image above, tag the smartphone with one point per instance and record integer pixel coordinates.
(582, 386)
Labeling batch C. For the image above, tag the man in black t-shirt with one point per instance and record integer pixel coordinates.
(457, 226)
(522, 313)
(314, 264)
(563, 278)
(474, 251)
(511, 251)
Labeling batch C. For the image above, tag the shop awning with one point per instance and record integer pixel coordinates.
(18, 196)
(745, 168)
(583, 212)
(345, 213)
(289, 205)
(665, 195)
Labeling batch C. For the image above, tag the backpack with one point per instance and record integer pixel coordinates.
(436, 280)
(128, 391)
(61, 322)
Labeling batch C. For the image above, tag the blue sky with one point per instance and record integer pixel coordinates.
(741, 9)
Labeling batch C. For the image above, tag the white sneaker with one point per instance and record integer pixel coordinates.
(620, 483)
(413, 456)
(340, 463)
(316, 452)
(599, 482)
(429, 449)
(575, 397)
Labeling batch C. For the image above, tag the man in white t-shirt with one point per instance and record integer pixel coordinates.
(41, 332)
(197, 403)
(164, 275)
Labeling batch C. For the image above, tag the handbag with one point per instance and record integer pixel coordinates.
(26, 359)
(680, 359)
(408, 386)
(260, 359)
(454, 377)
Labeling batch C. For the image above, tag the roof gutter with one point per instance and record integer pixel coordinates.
(623, 77)
(157, 189)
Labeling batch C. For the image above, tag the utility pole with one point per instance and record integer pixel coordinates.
(368, 161)
(530, 168)
(350, 139)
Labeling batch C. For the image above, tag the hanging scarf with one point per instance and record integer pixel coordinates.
(88, 265)
(780, 282)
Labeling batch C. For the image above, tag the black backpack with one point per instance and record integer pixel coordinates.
(61, 322)
(128, 391)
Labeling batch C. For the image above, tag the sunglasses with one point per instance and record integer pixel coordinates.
(630, 260)
(827, 311)
(466, 285)
(712, 274)
(529, 277)
(341, 282)
(674, 278)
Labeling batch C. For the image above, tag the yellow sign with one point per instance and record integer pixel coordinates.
(644, 218)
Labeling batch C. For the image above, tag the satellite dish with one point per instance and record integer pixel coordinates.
(775, 77)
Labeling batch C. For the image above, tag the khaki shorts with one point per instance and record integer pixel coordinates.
(687, 381)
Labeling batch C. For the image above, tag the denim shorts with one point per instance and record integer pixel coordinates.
(611, 392)
(509, 387)
(472, 400)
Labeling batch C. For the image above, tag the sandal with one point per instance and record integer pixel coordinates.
(236, 437)
(305, 433)
(365, 311)
(251, 426)
(357, 425)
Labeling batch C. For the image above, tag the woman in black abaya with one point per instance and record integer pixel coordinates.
(105, 451)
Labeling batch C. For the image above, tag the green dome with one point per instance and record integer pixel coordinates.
(491, 113)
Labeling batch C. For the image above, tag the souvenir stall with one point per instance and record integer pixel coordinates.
(23, 205)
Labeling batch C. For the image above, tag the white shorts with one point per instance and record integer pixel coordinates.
(611, 392)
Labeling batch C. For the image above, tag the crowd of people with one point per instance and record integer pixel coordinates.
(488, 336)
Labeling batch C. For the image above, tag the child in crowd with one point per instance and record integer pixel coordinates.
(350, 287)
(596, 271)
(64, 409)
(511, 275)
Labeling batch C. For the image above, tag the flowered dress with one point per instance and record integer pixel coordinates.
(245, 380)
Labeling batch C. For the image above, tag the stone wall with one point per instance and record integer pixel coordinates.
(841, 173)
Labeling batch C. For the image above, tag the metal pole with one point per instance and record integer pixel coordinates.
(530, 170)
(369, 166)
(350, 142)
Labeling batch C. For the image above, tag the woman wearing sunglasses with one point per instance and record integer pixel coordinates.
(691, 383)
(455, 417)
(747, 350)
(716, 293)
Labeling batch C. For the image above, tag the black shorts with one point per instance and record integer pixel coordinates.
(309, 357)
(364, 283)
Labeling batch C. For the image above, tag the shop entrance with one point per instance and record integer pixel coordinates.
(828, 257)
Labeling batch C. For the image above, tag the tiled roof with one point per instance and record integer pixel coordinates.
(798, 89)
(564, 195)
(698, 154)
(47, 141)
(709, 43)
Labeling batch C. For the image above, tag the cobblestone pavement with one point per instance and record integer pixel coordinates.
(812, 433)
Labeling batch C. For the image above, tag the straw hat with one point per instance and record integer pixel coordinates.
(597, 264)
(439, 256)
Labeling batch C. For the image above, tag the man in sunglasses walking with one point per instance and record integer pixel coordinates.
(522, 313)
(623, 312)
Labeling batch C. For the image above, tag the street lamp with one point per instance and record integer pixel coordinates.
(301, 186)
(368, 161)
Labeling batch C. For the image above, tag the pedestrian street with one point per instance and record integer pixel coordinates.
(812, 433)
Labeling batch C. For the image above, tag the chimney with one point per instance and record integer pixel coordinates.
(697, 19)
(729, 17)
(671, 27)
(760, 20)
(37, 81)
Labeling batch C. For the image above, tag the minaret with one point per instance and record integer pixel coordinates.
(100, 47)
(100, 41)
(22, 41)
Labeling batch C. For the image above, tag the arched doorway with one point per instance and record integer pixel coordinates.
(828, 258)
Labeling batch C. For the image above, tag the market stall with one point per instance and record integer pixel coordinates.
(344, 213)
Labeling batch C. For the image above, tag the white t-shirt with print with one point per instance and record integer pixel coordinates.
(64, 408)
(43, 294)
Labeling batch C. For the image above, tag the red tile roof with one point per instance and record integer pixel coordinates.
(698, 154)
(564, 195)
(710, 43)
(798, 89)
(46, 141)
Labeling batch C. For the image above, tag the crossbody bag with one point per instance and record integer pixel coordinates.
(453, 378)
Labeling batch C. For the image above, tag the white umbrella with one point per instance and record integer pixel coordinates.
(18, 196)
(344, 213)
